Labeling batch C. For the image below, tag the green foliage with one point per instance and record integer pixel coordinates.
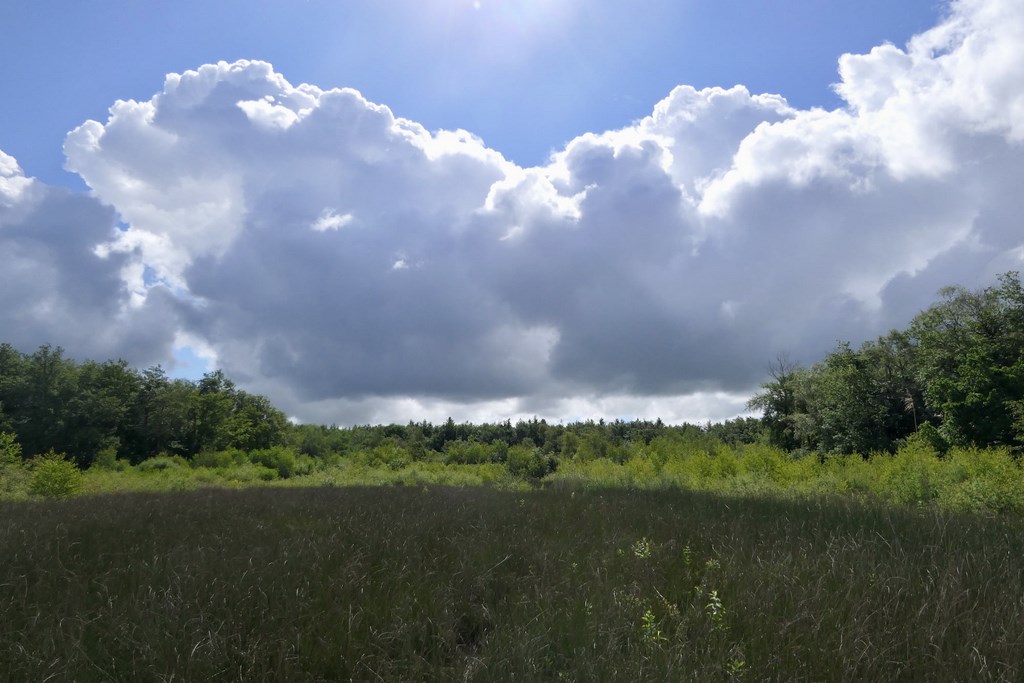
(959, 366)
(54, 403)
(220, 459)
(107, 459)
(913, 476)
(281, 459)
(13, 475)
(469, 452)
(988, 480)
(54, 476)
(928, 437)
(528, 461)
(10, 450)
(161, 463)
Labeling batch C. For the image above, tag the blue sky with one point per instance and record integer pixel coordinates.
(525, 75)
(382, 211)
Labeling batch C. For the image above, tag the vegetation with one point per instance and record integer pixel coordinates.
(473, 584)
(52, 403)
(957, 372)
(865, 528)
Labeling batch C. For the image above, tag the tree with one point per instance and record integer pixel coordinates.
(971, 362)
(253, 423)
(778, 402)
(51, 383)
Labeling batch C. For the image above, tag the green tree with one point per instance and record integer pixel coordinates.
(10, 450)
(971, 362)
(54, 476)
(778, 403)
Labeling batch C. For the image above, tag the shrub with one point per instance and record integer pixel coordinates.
(763, 462)
(219, 459)
(10, 450)
(249, 472)
(526, 461)
(281, 459)
(388, 454)
(54, 476)
(107, 459)
(984, 480)
(159, 463)
(463, 452)
(912, 476)
(13, 476)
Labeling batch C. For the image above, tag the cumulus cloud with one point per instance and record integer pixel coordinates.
(59, 286)
(357, 267)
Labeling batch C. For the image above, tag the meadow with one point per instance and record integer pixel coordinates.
(474, 583)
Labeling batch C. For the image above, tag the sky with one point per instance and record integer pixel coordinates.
(382, 212)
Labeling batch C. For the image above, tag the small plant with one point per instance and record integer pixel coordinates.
(715, 611)
(735, 668)
(54, 476)
(642, 548)
(649, 628)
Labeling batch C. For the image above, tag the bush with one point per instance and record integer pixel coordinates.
(159, 463)
(10, 450)
(387, 455)
(107, 459)
(219, 459)
(526, 461)
(248, 473)
(912, 476)
(463, 452)
(281, 459)
(984, 480)
(54, 476)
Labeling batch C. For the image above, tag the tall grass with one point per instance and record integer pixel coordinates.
(439, 583)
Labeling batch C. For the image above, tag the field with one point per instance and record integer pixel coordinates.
(561, 583)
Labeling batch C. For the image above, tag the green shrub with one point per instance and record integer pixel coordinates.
(463, 452)
(249, 472)
(387, 455)
(912, 476)
(983, 480)
(929, 437)
(526, 461)
(642, 471)
(54, 476)
(763, 462)
(10, 450)
(162, 462)
(304, 465)
(279, 458)
(13, 475)
(219, 459)
(107, 459)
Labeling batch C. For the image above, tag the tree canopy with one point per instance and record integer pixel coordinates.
(956, 371)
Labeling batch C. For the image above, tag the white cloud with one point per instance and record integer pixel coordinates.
(13, 183)
(330, 220)
(58, 286)
(357, 267)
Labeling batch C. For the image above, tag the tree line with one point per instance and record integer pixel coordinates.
(955, 374)
(52, 403)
